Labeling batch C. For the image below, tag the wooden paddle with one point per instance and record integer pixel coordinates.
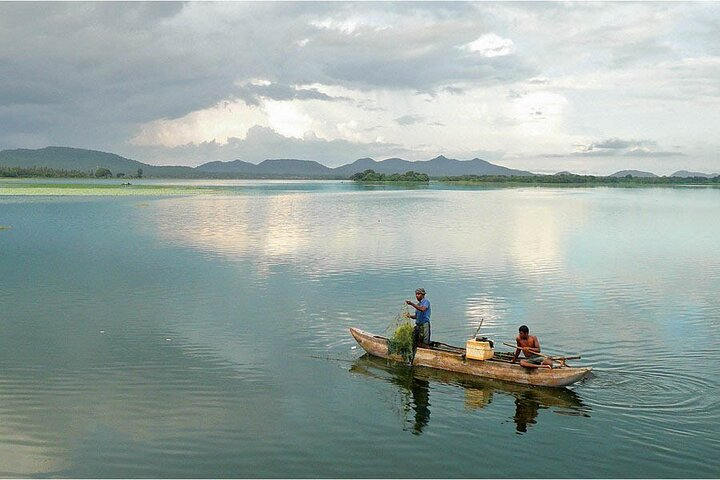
(561, 360)
(479, 327)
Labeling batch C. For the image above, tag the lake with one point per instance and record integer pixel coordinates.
(204, 333)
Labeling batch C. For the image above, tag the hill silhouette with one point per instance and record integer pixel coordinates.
(67, 158)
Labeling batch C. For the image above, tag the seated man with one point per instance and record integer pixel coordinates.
(530, 347)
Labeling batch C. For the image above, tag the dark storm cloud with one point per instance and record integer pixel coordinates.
(93, 71)
(454, 90)
(653, 154)
(252, 94)
(89, 74)
(409, 119)
(618, 143)
(618, 147)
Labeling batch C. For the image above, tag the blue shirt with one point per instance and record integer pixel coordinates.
(423, 317)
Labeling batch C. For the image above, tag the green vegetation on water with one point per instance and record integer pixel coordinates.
(579, 180)
(373, 176)
(13, 188)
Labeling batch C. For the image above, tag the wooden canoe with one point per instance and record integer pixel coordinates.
(447, 357)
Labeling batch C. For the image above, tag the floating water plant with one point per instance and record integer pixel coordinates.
(401, 341)
(86, 189)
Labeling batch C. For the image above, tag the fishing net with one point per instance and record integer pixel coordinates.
(401, 341)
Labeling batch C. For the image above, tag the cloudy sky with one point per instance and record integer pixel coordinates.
(587, 87)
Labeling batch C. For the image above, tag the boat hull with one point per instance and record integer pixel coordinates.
(455, 361)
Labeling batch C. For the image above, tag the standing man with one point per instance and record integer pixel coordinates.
(530, 346)
(421, 334)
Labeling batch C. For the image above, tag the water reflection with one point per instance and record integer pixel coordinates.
(415, 387)
(330, 229)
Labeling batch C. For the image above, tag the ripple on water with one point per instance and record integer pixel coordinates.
(675, 402)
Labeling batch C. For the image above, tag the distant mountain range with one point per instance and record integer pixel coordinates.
(89, 160)
(66, 158)
(632, 173)
(686, 174)
(437, 167)
(679, 174)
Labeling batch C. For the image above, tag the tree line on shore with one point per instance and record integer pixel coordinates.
(373, 176)
(410, 176)
(571, 179)
(46, 172)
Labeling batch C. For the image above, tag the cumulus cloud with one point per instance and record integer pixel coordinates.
(351, 26)
(261, 142)
(491, 45)
(539, 81)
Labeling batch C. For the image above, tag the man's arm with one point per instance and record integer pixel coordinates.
(422, 308)
(517, 351)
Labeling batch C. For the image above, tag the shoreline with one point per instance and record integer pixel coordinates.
(576, 185)
(35, 187)
(20, 188)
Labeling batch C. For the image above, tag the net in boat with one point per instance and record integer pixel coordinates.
(401, 340)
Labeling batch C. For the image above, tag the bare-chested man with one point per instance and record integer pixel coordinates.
(530, 346)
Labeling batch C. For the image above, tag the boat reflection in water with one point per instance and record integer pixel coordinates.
(415, 391)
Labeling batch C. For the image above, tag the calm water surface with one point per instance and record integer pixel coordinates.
(206, 335)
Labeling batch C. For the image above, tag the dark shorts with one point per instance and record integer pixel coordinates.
(535, 359)
(422, 333)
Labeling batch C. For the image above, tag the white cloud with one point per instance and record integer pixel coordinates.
(217, 123)
(491, 45)
(287, 118)
(480, 120)
(260, 82)
(345, 26)
(351, 26)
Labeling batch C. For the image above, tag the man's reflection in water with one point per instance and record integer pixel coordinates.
(528, 402)
(419, 399)
(420, 390)
(526, 411)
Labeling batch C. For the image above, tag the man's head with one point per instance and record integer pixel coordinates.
(524, 331)
(419, 293)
